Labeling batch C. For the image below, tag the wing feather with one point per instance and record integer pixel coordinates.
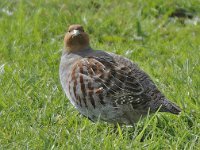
(103, 77)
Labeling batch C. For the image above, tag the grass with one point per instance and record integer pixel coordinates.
(35, 113)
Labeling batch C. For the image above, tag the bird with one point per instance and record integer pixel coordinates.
(104, 86)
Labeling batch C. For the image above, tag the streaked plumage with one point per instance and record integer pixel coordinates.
(107, 86)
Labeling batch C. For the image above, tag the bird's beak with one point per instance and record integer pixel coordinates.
(75, 33)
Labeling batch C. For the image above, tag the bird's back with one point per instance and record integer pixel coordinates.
(156, 99)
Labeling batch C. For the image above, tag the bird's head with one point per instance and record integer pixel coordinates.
(76, 39)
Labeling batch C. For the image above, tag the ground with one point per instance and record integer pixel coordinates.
(162, 37)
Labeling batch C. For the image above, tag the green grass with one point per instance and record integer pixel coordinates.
(35, 113)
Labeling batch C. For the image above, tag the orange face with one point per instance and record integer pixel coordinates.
(76, 39)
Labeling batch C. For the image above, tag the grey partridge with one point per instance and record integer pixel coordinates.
(105, 86)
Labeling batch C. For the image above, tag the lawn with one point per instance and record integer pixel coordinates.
(34, 111)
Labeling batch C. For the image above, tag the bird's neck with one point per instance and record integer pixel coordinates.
(77, 49)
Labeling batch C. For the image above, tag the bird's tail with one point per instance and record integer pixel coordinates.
(166, 106)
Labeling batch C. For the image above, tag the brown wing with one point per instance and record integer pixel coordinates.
(101, 78)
